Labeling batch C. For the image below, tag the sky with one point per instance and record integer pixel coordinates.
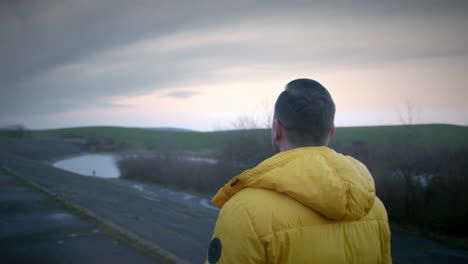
(204, 65)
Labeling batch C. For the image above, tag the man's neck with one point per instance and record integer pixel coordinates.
(288, 146)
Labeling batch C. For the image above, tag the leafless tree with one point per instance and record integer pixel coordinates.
(408, 115)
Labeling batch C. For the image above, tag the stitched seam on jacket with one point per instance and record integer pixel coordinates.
(319, 225)
(244, 209)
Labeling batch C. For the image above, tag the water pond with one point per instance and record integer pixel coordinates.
(97, 165)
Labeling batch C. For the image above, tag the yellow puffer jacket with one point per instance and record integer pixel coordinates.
(306, 205)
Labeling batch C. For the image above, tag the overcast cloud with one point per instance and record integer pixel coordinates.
(58, 56)
(181, 94)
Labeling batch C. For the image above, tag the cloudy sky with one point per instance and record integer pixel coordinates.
(202, 64)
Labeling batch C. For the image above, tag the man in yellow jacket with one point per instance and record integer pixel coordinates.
(306, 204)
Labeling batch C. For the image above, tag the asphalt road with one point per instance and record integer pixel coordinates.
(182, 230)
(36, 229)
(408, 248)
(178, 222)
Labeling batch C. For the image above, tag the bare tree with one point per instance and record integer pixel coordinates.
(260, 117)
(408, 115)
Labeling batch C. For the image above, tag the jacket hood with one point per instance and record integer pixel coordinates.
(336, 186)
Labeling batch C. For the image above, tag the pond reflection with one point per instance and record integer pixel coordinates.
(97, 165)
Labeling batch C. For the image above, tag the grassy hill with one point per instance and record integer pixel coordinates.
(436, 135)
(138, 137)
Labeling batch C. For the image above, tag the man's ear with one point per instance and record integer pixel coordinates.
(332, 132)
(278, 129)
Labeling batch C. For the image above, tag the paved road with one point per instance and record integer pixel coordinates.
(180, 229)
(36, 229)
(178, 222)
(408, 248)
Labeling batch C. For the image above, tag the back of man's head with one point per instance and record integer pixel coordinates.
(306, 111)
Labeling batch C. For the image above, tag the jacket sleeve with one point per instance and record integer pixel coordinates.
(385, 235)
(387, 255)
(237, 237)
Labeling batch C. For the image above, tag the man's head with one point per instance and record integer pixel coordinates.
(304, 115)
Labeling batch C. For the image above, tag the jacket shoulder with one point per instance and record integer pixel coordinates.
(378, 212)
(270, 211)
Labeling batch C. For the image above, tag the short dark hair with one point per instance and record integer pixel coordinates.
(307, 111)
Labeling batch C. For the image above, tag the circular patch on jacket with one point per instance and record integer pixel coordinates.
(214, 251)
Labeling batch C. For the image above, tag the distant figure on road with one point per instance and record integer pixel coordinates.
(94, 173)
(306, 204)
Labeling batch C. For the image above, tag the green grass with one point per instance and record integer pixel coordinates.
(436, 135)
(138, 137)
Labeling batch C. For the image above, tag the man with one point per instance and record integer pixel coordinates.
(306, 204)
